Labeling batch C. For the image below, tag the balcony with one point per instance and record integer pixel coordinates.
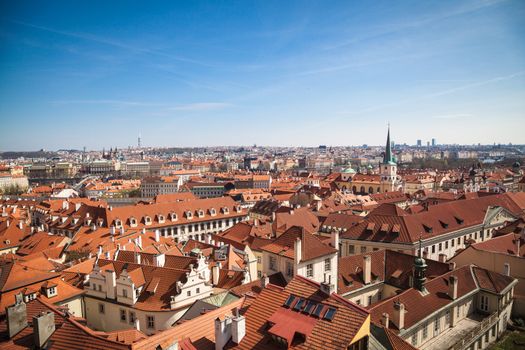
(463, 334)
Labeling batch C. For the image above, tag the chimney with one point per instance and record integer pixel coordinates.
(386, 320)
(21, 225)
(139, 242)
(399, 314)
(367, 269)
(223, 332)
(43, 328)
(453, 287)
(238, 327)
(93, 227)
(16, 316)
(112, 230)
(99, 251)
(215, 274)
(111, 283)
(298, 250)
(157, 235)
(335, 239)
(207, 238)
(107, 255)
(327, 286)
(138, 258)
(506, 269)
(159, 260)
(264, 281)
(136, 323)
(451, 266)
(442, 257)
(122, 231)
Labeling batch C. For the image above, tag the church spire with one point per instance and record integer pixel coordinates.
(388, 159)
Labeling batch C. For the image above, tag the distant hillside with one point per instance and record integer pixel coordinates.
(35, 154)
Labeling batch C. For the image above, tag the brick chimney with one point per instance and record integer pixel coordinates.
(453, 287)
(298, 250)
(264, 281)
(111, 283)
(399, 315)
(238, 327)
(367, 269)
(43, 328)
(16, 316)
(385, 319)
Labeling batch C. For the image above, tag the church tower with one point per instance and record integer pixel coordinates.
(388, 168)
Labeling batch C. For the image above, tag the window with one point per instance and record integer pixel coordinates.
(452, 243)
(363, 249)
(414, 339)
(351, 249)
(132, 317)
(258, 260)
(289, 269)
(259, 274)
(101, 308)
(327, 264)
(446, 245)
(447, 317)
(436, 326)
(358, 301)
(124, 292)
(198, 290)
(188, 293)
(310, 270)
(425, 330)
(369, 300)
(273, 263)
(440, 247)
(123, 316)
(433, 249)
(484, 303)
(151, 322)
(100, 288)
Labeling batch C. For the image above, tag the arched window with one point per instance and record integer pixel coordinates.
(378, 190)
(354, 189)
(370, 190)
(362, 190)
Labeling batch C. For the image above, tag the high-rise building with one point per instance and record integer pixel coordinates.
(433, 142)
(418, 143)
(428, 143)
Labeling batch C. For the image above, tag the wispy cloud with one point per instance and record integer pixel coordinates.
(203, 106)
(452, 116)
(116, 103)
(113, 43)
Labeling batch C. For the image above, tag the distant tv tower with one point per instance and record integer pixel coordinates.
(139, 142)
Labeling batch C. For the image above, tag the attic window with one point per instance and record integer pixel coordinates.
(384, 228)
(443, 224)
(133, 222)
(173, 216)
(238, 208)
(459, 220)
(161, 218)
(147, 220)
(118, 223)
(225, 210)
(213, 212)
(428, 229)
(189, 214)
(200, 213)
(370, 227)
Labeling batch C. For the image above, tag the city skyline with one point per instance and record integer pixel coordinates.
(294, 74)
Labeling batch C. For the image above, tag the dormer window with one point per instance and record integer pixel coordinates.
(161, 218)
(189, 214)
(118, 223)
(173, 216)
(133, 222)
(428, 229)
(238, 208)
(225, 210)
(213, 212)
(200, 212)
(49, 289)
(147, 220)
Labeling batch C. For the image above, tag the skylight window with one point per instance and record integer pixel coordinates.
(317, 311)
(299, 305)
(330, 313)
(309, 307)
(289, 301)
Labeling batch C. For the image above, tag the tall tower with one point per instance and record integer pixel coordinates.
(420, 267)
(388, 167)
(139, 142)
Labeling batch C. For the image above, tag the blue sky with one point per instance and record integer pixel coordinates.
(96, 73)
